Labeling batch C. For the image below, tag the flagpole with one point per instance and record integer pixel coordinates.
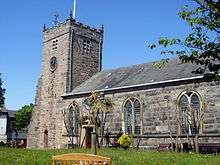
(74, 10)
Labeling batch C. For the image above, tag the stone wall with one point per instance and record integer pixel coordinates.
(157, 112)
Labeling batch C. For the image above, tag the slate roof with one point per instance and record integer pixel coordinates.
(137, 74)
(11, 113)
(3, 110)
(21, 135)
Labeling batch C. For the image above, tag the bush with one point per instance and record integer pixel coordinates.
(124, 141)
(2, 144)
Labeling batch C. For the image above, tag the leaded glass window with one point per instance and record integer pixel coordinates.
(132, 117)
(128, 117)
(184, 103)
(137, 117)
(74, 120)
(189, 103)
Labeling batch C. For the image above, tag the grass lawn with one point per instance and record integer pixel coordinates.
(10, 156)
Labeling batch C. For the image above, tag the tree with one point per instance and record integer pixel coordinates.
(194, 125)
(23, 116)
(202, 45)
(2, 92)
(99, 106)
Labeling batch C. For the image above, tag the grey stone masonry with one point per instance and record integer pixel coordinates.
(159, 111)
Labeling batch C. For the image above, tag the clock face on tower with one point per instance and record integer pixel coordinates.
(53, 64)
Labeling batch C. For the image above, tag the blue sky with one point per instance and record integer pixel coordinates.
(128, 26)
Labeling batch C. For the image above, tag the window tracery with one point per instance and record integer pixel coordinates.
(190, 109)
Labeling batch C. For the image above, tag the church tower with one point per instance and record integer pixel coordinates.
(72, 53)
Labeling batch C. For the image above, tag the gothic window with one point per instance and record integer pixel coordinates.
(132, 117)
(128, 117)
(190, 107)
(137, 117)
(73, 120)
(86, 46)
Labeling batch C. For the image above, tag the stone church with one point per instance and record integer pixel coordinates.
(150, 102)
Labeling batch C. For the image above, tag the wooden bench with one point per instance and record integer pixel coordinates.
(80, 159)
(208, 148)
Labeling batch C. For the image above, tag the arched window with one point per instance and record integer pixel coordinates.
(190, 109)
(128, 116)
(132, 116)
(137, 117)
(73, 120)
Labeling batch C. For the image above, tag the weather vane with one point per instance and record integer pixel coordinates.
(56, 18)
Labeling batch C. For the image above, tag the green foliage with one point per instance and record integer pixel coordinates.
(23, 116)
(2, 144)
(2, 92)
(202, 45)
(160, 64)
(99, 106)
(124, 141)
(99, 103)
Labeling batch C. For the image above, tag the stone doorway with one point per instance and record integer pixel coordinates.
(88, 137)
(45, 139)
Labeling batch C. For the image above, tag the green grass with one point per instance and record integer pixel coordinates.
(10, 156)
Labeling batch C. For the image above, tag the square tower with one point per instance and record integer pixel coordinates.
(73, 50)
(72, 53)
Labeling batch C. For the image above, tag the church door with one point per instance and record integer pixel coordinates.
(88, 136)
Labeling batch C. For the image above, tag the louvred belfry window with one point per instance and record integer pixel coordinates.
(87, 46)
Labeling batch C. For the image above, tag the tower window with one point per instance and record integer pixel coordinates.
(86, 46)
(54, 44)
